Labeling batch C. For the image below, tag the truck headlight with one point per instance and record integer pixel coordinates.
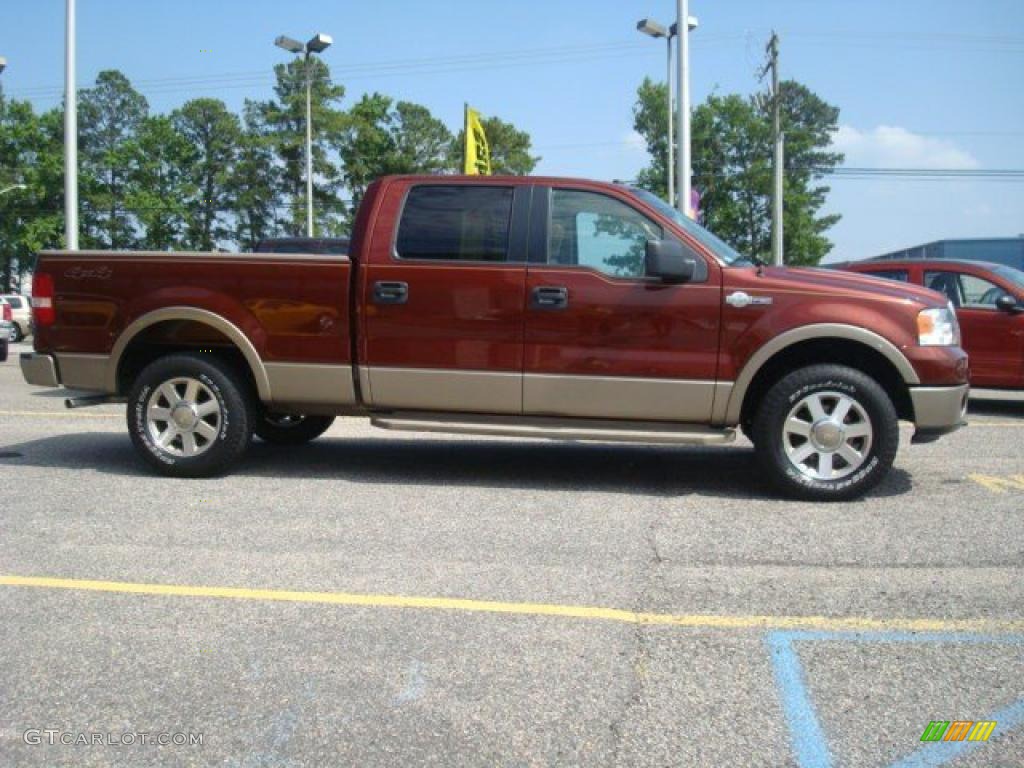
(938, 328)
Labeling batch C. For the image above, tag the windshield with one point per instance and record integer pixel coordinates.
(1015, 276)
(715, 244)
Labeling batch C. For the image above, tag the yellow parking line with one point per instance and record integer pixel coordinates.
(701, 621)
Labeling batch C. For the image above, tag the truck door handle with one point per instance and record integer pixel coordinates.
(390, 293)
(549, 297)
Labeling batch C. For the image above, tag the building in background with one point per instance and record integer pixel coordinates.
(997, 250)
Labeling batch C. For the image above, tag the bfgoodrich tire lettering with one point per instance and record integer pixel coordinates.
(189, 416)
(826, 432)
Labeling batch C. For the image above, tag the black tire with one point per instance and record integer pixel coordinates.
(779, 447)
(226, 434)
(281, 429)
(16, 334)
(3, 350)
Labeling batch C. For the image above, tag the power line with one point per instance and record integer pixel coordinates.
(422, 65)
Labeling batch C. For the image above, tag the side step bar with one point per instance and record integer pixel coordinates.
(557, 428)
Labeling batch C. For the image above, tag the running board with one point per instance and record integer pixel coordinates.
(557, 428)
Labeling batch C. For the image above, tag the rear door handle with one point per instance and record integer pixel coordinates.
(549, 297)
(390, 293)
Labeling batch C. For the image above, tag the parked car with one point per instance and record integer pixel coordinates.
(524, 307)
(6, 329)
(21, 310)
(989, 302)
(324, 245)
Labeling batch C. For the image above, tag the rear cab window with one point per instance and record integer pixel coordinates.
(448, 222)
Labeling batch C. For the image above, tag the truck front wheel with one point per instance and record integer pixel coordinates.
(189, 416)
(284, 429)
(826, 432)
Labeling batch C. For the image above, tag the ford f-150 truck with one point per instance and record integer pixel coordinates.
(524, 307)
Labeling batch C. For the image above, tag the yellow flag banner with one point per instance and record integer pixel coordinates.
(478, 151)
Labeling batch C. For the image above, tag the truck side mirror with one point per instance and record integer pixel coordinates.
(668, 260)
(1008, 303)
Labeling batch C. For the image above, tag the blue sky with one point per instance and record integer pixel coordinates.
(921, 83)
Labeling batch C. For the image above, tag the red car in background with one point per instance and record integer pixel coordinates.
(989, 301)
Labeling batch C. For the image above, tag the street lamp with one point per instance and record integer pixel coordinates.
(658, 31)
(318, 44)
(11, 188)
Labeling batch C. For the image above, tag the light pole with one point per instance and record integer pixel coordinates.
(70, 133)
(684, 23)
(318, 44)
(11, 188)
(658, 31)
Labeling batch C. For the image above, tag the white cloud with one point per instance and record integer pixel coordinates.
(889, 146)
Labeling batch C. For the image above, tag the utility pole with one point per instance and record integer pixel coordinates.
(70, 134)
(778, 255)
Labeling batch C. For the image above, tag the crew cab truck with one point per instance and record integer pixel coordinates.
(524, 307)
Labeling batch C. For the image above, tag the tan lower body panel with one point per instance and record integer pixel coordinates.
(86, 372)
(605, 397)
(597, 430)
(297, 384)
(449, 391)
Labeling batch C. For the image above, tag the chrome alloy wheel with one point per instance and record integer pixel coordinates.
(827, 436)
(183, 417)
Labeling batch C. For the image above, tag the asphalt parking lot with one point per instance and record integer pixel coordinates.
(377, 600)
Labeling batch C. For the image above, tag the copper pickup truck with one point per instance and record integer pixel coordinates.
(522, 307)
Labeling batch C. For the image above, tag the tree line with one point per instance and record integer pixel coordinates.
(203, 177)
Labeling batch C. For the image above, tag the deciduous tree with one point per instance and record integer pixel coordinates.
(732, 166)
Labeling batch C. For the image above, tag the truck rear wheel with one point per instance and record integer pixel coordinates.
(826, 432)
(189, 416)
(285, 429)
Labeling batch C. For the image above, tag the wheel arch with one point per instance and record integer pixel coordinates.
(824, 343)
(231, 332)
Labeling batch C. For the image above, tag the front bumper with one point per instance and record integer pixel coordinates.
(39, 370)
(938, 411)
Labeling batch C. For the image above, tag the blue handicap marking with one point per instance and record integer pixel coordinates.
(810, 746)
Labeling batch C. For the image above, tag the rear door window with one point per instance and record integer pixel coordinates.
(456, 223)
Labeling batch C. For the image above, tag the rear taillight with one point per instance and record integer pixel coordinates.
(7, 313)
(42, 299)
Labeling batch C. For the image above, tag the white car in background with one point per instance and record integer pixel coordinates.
(21, 315)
